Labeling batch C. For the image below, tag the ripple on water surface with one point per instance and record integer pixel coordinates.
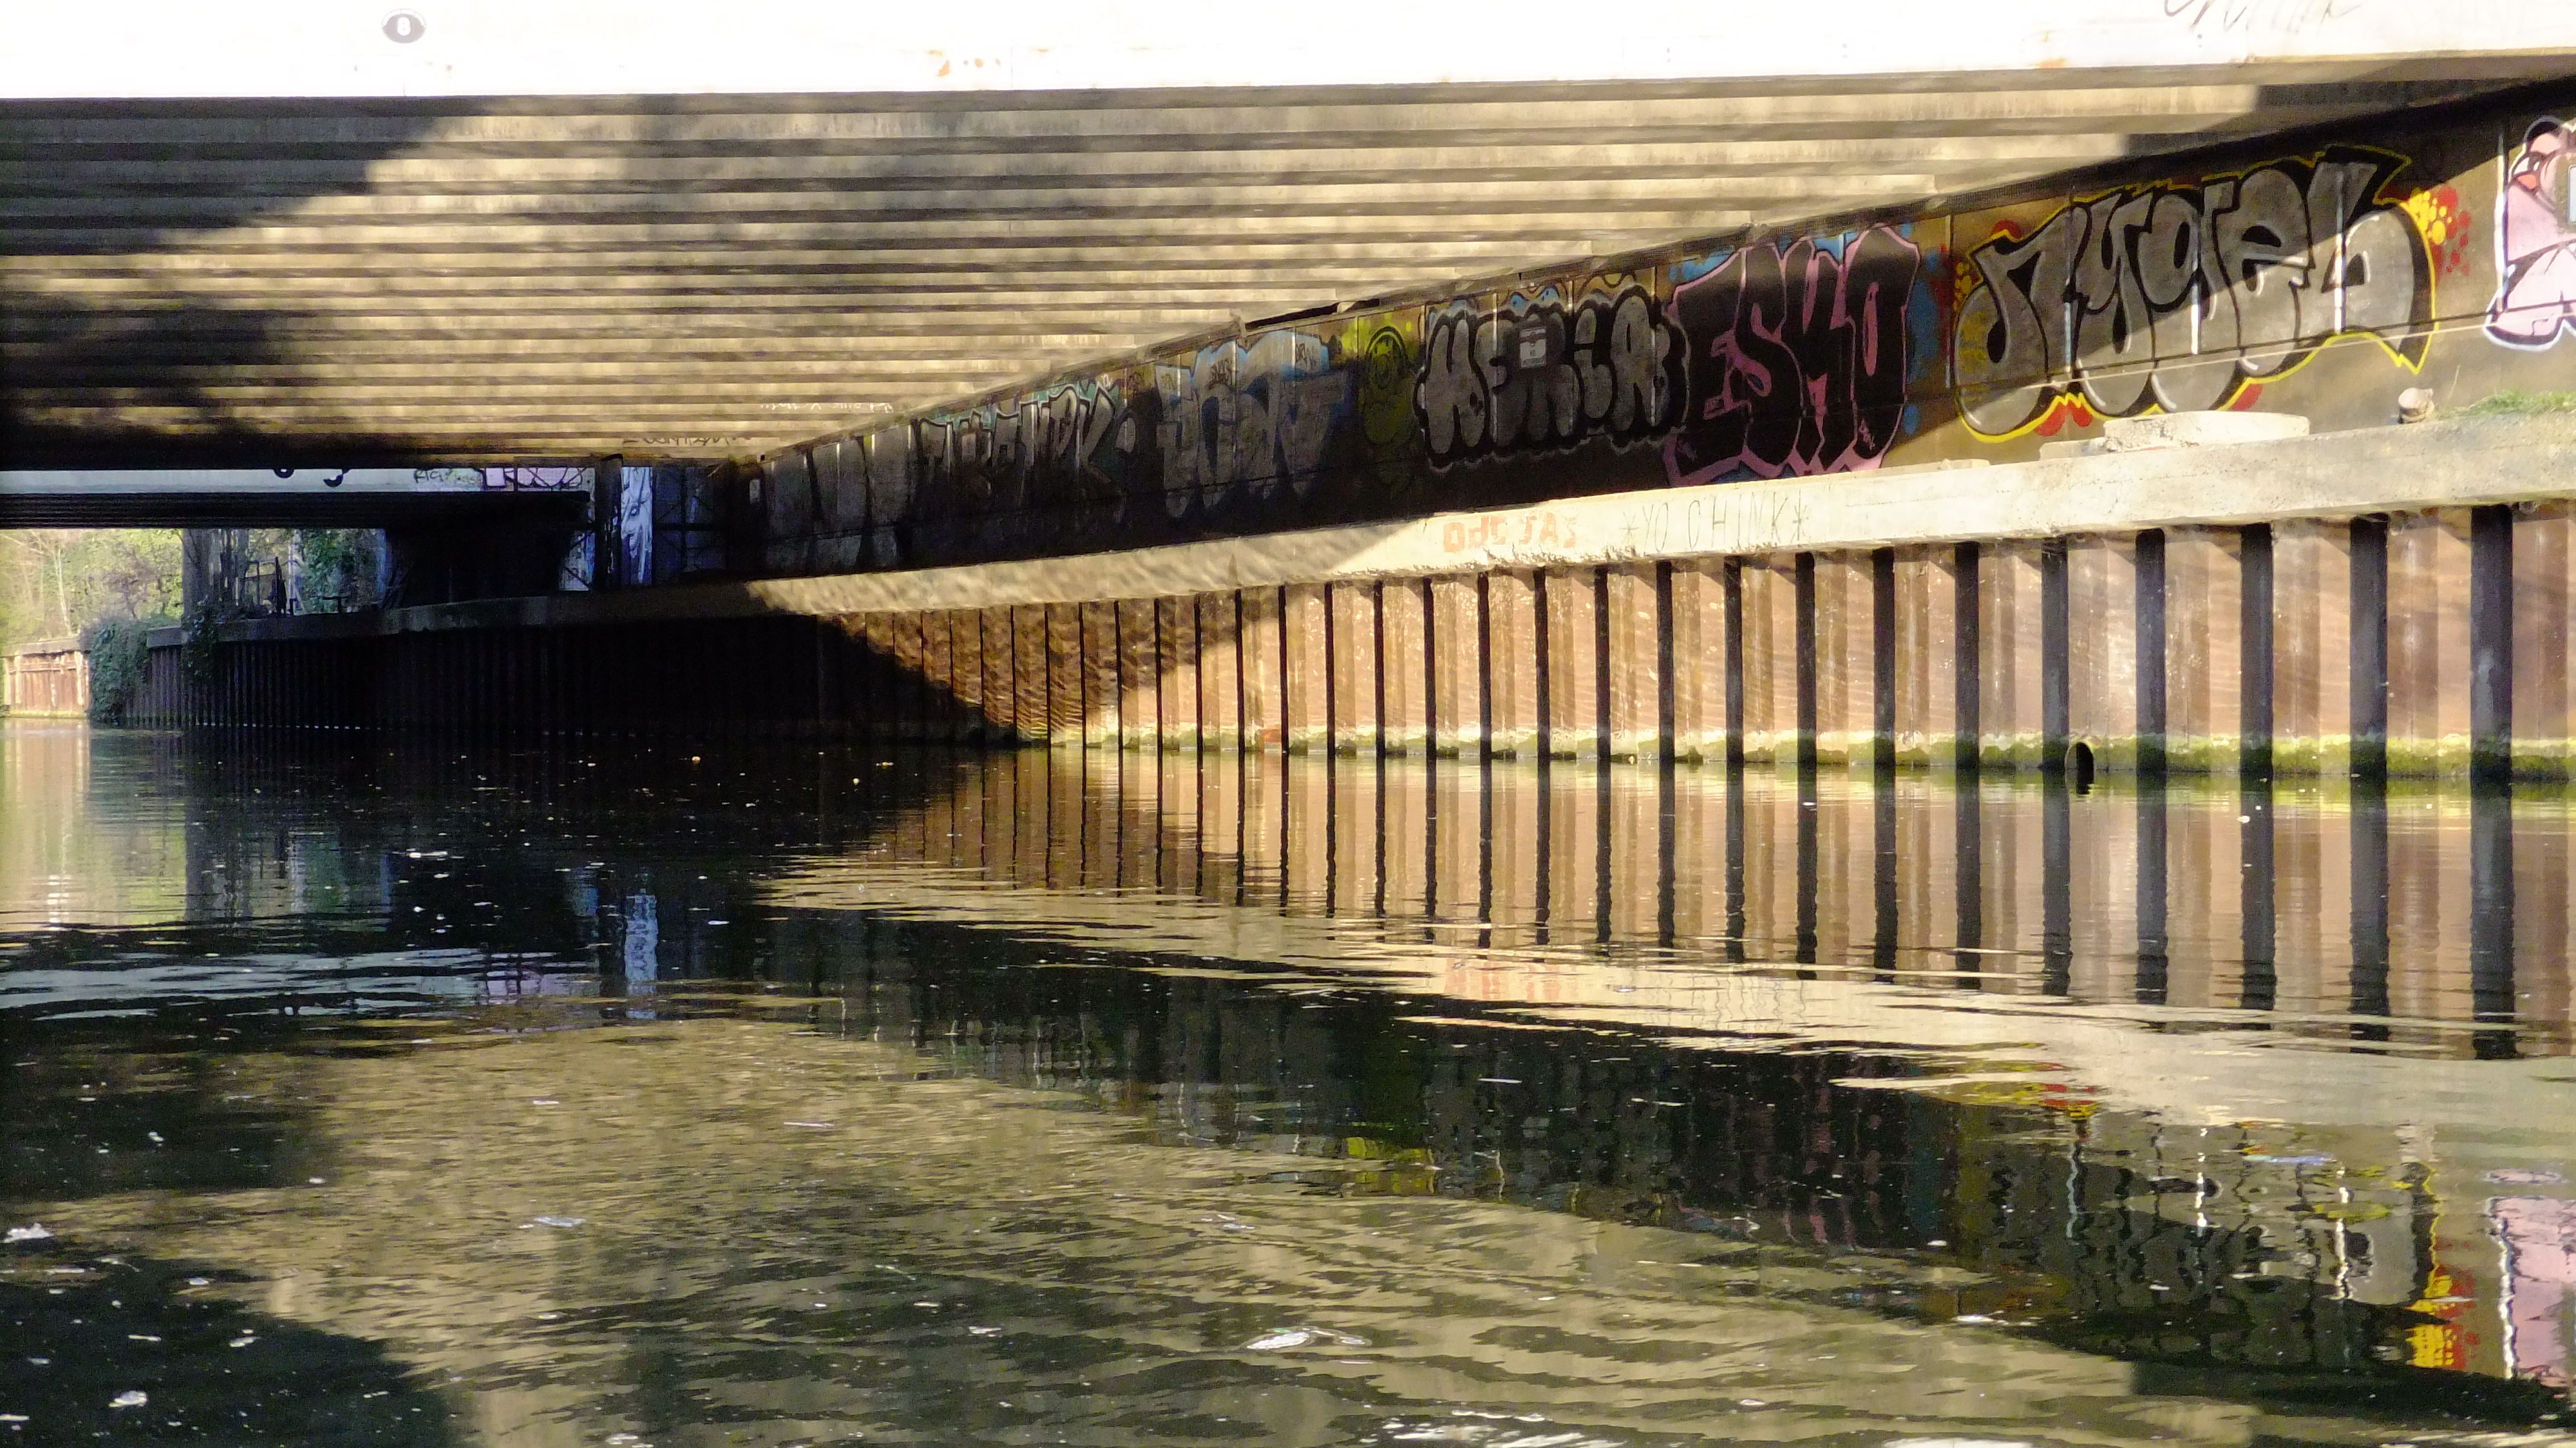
(442, 1096)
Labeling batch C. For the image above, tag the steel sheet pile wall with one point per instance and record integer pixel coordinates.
(669, 677)
(2415, 644)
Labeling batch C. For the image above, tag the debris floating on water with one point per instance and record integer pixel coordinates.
(1287, 1338)
(561, 1221)
(32, 1232)
(130, 1398)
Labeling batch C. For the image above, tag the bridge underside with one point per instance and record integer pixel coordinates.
(274, 282)
(309, 507)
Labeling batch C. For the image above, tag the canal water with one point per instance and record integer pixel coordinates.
(423, 1093)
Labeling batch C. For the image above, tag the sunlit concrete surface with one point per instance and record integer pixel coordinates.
(138, 48)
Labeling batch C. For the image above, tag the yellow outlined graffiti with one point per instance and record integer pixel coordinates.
(2188, 296)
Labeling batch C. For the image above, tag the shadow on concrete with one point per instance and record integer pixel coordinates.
(162, 365)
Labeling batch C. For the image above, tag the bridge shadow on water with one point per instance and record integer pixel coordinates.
(127, 1349)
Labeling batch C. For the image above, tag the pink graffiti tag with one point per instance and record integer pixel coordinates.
(2536, 297)
(1796, 360)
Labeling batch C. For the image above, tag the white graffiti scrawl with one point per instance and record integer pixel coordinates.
(2536, 242)
(2179, 297)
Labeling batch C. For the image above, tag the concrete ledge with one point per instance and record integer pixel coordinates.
(2159, 430)
(2337, 475)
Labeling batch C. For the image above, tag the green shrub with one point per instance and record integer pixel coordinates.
(198, 649)
(119, 653)
(2520, 404)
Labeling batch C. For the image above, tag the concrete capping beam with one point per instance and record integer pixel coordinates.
(2450, 464)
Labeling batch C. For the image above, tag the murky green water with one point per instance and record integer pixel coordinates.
(447, 1095)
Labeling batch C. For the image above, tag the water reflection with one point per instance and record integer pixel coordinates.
(1099, 1097)
(2428, 913)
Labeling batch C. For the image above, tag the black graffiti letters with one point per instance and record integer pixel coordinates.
(2177, 297)
(1797, 358)
(1050, 446)
(1538, 376)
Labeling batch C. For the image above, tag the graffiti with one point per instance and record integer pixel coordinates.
(1255, 413)
(2307, 279)
(1797, 359)
(1386, 408)
(1537, 376)
(534, 479)
(2446, 225)
(2536, 242)
(2224, 17)
(2181, 297)
(885, 461)
(1046, 446)
(635, 525)
(1534, 528)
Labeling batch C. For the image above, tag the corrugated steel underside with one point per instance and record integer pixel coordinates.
(211, 283)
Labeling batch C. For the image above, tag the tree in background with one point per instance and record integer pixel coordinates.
(337, 569)
(60, 582)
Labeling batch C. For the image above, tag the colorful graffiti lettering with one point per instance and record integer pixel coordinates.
(1255, 413)
(1811, 351)
(1536, 375)
(2536, 242)
(2446, 226)
(1386, 408)
(2181, 296)
(1797, 359)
